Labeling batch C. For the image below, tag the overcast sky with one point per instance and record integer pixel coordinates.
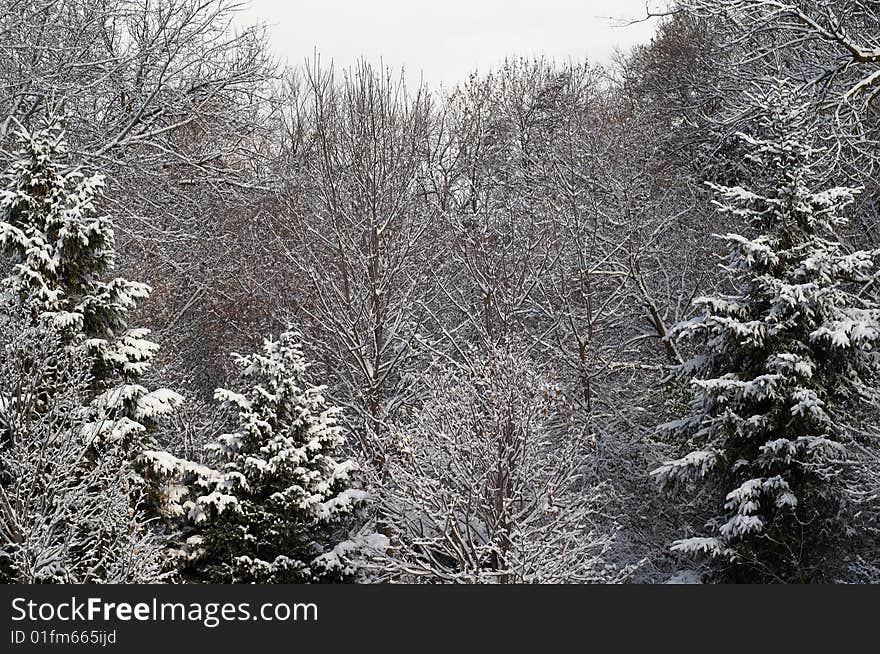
(445, 40)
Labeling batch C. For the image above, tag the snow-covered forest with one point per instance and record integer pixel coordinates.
(562, 323)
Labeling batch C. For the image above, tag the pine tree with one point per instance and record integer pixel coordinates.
(783, 360)
(278, 493)
(62, 249)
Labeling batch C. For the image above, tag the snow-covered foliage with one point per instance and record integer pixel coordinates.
(62, 249)
(781, 359)
(492, 485)
(269, 509)
(555, 210)
(66, 515)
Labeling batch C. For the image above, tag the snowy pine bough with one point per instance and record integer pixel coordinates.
(782, 360)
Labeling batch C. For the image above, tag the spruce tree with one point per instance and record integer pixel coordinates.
(782, 363)
(62, 250)
(278, 493)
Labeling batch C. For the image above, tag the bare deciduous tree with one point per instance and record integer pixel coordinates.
(492, 484)
(66, 514)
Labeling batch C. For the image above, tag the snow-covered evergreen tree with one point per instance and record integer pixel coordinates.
(62, 249)
(279, 493)
(782, 359)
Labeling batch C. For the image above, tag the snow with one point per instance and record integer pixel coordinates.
(220, 502)
(156, 403)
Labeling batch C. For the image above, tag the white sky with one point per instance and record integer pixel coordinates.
(446, 40)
